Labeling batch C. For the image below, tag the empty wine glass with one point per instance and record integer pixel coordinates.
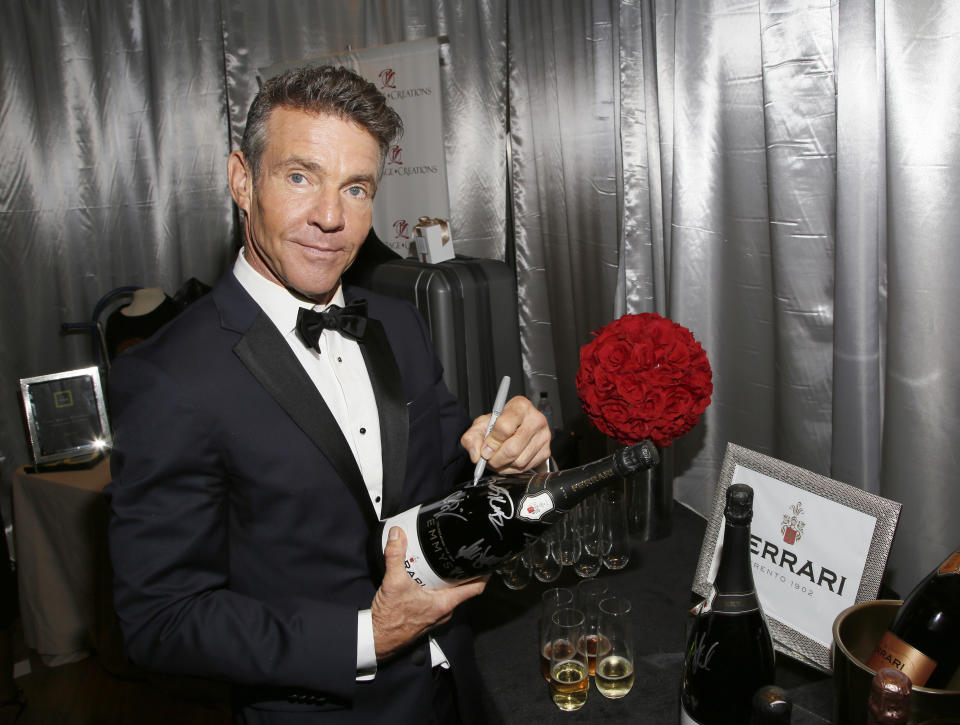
(515, 572)
(615, 521)
(588, 526)
(546, 565)
(569, 544)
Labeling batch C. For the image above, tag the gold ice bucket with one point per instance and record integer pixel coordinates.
(856, 631)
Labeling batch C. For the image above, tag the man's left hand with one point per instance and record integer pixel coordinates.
(519, 441)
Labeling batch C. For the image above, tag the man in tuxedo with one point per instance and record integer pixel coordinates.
(256, 449)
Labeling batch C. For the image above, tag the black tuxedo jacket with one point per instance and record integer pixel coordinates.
(240, 522)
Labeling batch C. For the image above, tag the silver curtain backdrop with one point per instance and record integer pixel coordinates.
(777, 175)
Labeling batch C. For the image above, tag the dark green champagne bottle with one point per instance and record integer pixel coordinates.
(729, 652)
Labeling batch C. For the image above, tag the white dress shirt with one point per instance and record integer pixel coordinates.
(340, 375)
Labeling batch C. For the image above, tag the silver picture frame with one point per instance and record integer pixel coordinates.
(786, 638)
(66, 415)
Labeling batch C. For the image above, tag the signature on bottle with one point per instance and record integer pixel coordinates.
(479, 555)
(450, 506)
(501, 507)
(702, 654)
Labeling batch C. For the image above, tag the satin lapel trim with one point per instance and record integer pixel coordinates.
(392, 412)
(267, 355)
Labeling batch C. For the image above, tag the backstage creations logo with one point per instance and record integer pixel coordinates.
(388, 87)
(401, 230)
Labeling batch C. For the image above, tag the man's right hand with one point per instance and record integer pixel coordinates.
(402, 610)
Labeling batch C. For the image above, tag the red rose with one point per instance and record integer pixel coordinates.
(644, 376)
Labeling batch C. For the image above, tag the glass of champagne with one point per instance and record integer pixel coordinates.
(550, 601)
(589, 594)
(614, 676)
(569, 678)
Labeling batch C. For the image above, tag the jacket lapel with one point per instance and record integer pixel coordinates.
(392, 409)
(268, 357)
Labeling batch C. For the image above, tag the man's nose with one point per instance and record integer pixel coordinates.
(327, 210)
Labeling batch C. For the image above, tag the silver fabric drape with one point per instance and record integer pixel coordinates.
(921, 382)
(112, 149)
(774, 174)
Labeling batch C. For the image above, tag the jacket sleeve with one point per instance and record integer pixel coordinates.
(169, 549)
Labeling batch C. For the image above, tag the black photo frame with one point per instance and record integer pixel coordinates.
(66, 415)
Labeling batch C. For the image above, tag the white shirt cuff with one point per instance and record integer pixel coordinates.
(366, 651)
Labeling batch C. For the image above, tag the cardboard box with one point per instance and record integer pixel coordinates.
(434, 242)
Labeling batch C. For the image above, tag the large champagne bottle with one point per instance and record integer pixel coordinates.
(923, 640)
(468, 532)
(729, 652)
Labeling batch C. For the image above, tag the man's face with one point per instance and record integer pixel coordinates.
(311, 207)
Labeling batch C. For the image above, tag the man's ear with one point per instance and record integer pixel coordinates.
(240, 180)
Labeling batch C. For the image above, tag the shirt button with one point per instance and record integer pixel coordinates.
(339, 359)
(378, 499)
(363, 431)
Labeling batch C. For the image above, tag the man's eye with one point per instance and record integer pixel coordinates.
(297, 178)
(357, 191)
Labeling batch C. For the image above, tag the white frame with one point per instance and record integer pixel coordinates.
(77, 448)
(786, 639)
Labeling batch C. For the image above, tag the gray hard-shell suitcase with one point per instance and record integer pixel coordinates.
(470, 306)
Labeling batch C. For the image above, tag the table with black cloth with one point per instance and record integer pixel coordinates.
(658, 582)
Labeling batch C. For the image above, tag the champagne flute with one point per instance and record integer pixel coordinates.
(589, 594)
(586, 516)
(615, 519)
(550, 601)
(515, 572)
(614, 673)
(546, 566)
(569, 544)
(569, 678)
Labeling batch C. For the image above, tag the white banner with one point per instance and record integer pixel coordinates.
(414, 181)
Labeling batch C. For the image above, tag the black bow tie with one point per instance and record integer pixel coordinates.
(350, 321)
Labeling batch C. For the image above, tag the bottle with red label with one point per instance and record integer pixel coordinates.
(471, 530)
(923, 641)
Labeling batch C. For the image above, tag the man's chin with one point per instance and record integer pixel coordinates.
(318, 293)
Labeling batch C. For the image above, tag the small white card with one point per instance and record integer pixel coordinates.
(818, 546)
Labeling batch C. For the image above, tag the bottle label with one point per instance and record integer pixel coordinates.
(735, 603)
(416, 563)
(891, 651)
(951, 565)
(533, 507)
(685, 719)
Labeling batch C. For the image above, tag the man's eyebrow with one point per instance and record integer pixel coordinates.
(362, 178)
(301, 162)
(313, 166)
